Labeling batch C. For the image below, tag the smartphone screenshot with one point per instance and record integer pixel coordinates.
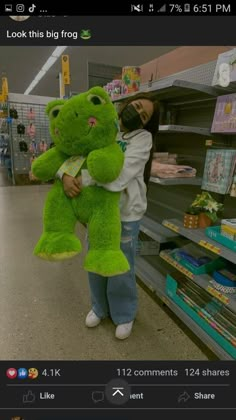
(118, 210)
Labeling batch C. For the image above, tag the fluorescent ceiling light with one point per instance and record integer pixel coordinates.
(58, 51)
(50, 61)
(31, 86)
(40, 75)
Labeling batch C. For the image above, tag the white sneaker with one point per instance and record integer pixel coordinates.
(92, 319)
(124, 330)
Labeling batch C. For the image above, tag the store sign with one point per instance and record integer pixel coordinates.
(65, 69)
(4, 91)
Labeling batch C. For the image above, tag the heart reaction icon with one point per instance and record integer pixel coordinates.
(11, 373)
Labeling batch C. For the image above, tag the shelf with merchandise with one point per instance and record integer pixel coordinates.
(171, 89)
(216, 321)
(202, 280)
(156, 230)
(194, 104)
(29, 134)
(155, 281)
(184, 129)
(198, 236)
(176, 181)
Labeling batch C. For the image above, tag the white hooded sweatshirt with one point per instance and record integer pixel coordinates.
(133, 201)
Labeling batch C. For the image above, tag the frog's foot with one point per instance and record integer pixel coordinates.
(55, 246)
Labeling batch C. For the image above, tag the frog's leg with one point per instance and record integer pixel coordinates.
(104, 230)
(58, 240)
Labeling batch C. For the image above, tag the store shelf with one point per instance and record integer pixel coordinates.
(155, 281)
(184, 129)
(177, 181)
(155, 230)
(152, 278)
(203, 280)
(198, 236)
(171, 89)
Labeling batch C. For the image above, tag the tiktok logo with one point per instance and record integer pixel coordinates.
(32, 8)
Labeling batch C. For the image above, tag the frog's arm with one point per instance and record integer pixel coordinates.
(104, 165)
(46, 166)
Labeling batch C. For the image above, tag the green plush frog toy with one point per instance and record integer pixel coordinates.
(84, 130)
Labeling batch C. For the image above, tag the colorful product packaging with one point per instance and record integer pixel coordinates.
(131, 77)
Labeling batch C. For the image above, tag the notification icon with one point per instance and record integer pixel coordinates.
(11, 373)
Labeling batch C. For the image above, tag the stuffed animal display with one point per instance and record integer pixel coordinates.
(84, 130)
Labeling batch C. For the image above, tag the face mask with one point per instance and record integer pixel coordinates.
(130, 118)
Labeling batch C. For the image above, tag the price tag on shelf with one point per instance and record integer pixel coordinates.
(171, 226)
(218, 295)
(209, 246)
(176, 265)
(184, 271)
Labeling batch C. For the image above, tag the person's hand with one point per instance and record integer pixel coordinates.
(32, 177)
(72, 186)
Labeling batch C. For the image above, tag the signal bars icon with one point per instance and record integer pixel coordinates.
(162, 9)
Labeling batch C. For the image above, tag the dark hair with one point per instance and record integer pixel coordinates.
(152, 126)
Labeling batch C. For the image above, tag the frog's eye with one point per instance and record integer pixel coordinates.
(96, 100)
(55, 111)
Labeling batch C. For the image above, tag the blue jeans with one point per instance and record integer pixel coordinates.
(117, 296)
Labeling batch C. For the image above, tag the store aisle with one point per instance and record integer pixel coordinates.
(43, 305)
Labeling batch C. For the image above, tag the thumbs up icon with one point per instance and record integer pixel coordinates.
(29, 398)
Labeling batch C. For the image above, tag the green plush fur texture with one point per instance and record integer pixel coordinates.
(84, 125)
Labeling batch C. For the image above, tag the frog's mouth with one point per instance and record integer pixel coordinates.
(92, 121)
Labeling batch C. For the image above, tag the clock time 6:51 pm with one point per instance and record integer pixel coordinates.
(211, 8)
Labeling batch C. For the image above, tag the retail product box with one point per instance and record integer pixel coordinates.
(171, 290)
(218, 170)
(229, 222)
(225, 71)
(146, 245)
(131, 78)
(228, 232)
(148, 248)
(213, 232)
(224, 120)
(190, 249)
(224, 283)
(228, 228)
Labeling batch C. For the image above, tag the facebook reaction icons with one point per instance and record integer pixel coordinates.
(11, 373)
(22, 373)
(33, 373)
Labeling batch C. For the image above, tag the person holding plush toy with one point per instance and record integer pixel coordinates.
(116, 296)
(84, 129)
